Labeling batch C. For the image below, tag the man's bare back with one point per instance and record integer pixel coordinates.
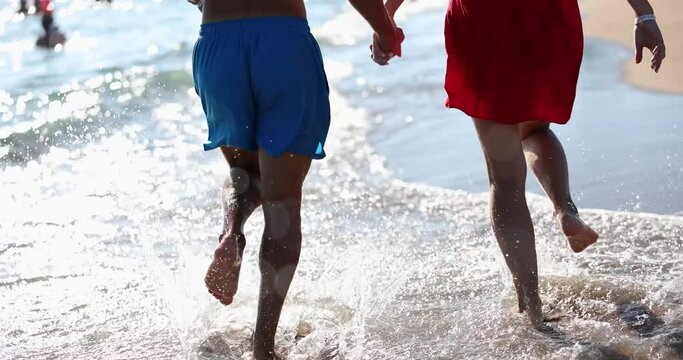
(217, 10)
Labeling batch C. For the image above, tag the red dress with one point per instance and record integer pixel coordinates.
(512, 61)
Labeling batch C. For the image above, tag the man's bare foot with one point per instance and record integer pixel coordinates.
(579, 235)
(265, 355)
(223, 274)
(534, 309)
(521, 306)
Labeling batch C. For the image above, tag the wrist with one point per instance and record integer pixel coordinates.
(386, 39)
(388, 33)
(645, 17)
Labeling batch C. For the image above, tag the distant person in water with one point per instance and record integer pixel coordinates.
(23, 7)
(41, 6)
(52, 36)
(260, 76)
(44, 6)
(513, 67)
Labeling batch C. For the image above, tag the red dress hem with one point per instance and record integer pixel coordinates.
(506, 120)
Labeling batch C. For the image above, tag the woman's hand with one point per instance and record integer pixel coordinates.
(647, 35)
(384, 48)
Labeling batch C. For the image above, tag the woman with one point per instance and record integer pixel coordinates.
(513, 67)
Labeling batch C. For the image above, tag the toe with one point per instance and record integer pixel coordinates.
(226, 300)
(216, 294)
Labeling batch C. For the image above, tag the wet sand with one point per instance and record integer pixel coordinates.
(613, 20)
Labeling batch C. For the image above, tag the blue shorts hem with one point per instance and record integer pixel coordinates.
(215, 145)
(317, 155)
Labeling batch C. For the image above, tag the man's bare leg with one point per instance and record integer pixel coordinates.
(241, 196)
(545, 156)
(510, 216)
(282, 180)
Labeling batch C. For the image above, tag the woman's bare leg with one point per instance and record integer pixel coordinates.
(545, 156)
(510, 216)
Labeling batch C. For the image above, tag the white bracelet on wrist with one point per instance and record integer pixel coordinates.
(643, 18)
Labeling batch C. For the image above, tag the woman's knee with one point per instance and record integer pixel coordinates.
(531, 128)
(509, 173)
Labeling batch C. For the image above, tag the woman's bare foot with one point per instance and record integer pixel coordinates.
(223, 274)
(579, 235)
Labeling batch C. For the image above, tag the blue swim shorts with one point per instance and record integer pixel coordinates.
(262, 85)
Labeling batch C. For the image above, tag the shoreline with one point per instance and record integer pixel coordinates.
(612, 20)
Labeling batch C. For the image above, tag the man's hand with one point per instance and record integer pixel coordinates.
(647, 35)
(198, 3)
(384, 48)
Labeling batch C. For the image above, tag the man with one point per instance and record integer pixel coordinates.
(260, 76)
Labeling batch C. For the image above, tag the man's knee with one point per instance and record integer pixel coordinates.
(238, 181)
(282, 218)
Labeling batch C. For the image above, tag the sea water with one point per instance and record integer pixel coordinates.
(109, 210)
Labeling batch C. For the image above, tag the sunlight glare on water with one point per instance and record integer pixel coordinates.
(110, 211)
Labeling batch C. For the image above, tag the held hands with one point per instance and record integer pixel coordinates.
(647, 35)
(384, 48)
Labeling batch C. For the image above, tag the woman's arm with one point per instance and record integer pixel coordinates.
(647, 34)
(198, 3)
(641, 7)
(392, 6)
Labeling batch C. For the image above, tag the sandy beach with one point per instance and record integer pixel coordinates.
(613, 20)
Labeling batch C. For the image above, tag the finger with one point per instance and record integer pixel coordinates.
(401, 35)
(639, 53)
(378, 60)
(660, 51)
(379, 55)
(658, 58)
(386, 59)
(401, 38)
